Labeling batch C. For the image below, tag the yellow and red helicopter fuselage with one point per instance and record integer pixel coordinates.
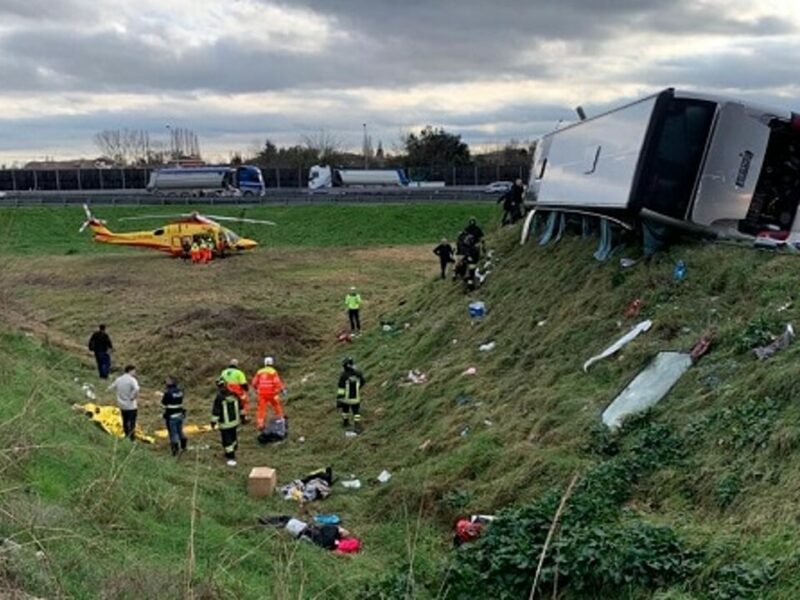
(175, 238)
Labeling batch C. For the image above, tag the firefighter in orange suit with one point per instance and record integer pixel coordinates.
(269, 386)
(236, 381)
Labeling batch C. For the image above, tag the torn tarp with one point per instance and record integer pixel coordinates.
(648, 387)
(617, 346)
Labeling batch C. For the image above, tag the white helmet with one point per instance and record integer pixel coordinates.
(268, 361)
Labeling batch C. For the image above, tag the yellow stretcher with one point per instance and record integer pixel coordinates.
(109, 419)
(187, 430)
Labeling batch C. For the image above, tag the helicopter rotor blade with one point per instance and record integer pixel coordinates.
(239, 220)
(143, 217)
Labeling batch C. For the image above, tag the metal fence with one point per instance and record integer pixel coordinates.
(66, 180)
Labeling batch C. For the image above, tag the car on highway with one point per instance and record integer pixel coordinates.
(497, 187)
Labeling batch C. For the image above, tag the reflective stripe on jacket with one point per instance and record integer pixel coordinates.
(350, 383)
(225, 411)
(267, 382)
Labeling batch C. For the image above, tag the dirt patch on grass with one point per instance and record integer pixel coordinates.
(243, 326)
(197, 344)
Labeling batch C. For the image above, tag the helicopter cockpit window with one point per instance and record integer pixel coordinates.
(158, 232)
(231, 237)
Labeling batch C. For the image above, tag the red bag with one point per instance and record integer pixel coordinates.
(348, 545)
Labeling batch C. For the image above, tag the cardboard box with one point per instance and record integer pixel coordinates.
(261, 482)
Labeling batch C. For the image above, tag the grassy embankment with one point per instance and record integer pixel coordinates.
(726, 487)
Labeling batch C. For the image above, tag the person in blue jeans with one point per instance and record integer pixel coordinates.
(100, 344)
(174, 413)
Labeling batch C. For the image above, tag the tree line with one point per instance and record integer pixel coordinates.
(431, 146)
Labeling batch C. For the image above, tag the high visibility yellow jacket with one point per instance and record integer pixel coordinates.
(352, 301)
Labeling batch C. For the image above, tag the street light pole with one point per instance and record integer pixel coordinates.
(365, 149)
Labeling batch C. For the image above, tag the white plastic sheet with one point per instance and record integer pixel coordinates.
(648, 387)
(617, 346)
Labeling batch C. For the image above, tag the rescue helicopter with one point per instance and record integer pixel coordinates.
(175, 237)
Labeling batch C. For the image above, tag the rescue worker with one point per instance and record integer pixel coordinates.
(186, 249)
(236, 381)
(269, 386)
(100, 344)
(127, 390)
(174, 414)
(348, 396)
(195, 252)
(471, 258)
(207, 252)
(225, 417)
(352, 302)
(512, 203)
(474, 230)
(445, 253)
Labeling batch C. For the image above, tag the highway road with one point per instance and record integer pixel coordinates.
(365, 195)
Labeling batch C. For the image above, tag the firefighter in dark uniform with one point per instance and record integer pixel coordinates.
(348, 396)
(225, 416)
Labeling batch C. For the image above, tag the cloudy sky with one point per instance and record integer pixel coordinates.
(240, 71)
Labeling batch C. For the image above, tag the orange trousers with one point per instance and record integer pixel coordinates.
(265, 402)
(195, 254)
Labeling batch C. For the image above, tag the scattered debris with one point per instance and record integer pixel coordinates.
(779, 343)
(679, 272)
(618, 345)
(633, 309)
(416, 377)
(384, 476)
(109, 419)
(88, 391)
(454, 341)
(648, 387)
(352, 484)
(301, 439)
(314, 486)
(784, 307)
(276, 430)
(470, 529)
(627, 263)
(425, 445)
(488, 422)
(701, 347)
(406, 325)
(470, 371)
(487, 347)
(344, 337)
(327, 519)
(477, 310)
(350, 434)
(542, 323)
(306, 378)
(464, 432)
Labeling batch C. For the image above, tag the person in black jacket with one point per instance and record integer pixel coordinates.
(348, 395)
(445, 253)
(474, 230)
(226, 416)
(174, 413)
(101, 345)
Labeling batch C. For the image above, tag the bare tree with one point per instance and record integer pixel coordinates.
(124, 146)
(326, 145)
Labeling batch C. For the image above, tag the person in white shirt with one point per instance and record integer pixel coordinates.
(127, 389)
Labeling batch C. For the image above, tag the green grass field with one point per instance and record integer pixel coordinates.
(53, 230)
(697, 499)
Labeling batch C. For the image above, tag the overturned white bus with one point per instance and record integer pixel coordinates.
(697, 162)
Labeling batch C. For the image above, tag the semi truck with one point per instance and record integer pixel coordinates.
(698, 162)
(323, 176)
(243, 180)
